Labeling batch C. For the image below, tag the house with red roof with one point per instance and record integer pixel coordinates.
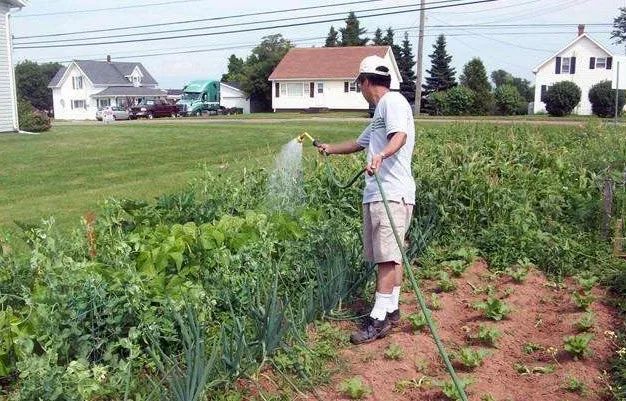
(323, 78)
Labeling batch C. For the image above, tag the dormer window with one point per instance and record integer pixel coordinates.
(77, 82)
(136, 80)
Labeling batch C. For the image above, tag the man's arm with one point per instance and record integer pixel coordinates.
(342, 148)
(398, 139)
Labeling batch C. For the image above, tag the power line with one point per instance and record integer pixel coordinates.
(211, 27)
(492, 9)
(103, 9)
(248, 29)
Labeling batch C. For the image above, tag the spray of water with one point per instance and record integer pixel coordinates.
(285, 192)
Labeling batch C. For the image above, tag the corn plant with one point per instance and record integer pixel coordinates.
(578, 345)
(583, 299)
(354, 388)
(586, 322)
(487, 335)
(470, 358)
(493, 308)
(394, 352)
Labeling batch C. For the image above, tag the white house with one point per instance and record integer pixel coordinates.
(583, 61)
(323, 78)
(8, 97)
(231, 95)
(84, 86)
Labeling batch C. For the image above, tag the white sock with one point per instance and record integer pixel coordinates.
(395, 300)
(381, 306)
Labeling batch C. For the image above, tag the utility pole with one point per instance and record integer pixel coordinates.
(420, 50)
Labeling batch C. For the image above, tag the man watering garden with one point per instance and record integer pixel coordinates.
(389, 140)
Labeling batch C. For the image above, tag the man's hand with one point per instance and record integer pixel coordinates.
(324, 148)
(375, 164)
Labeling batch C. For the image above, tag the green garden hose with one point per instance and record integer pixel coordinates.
(416, 289)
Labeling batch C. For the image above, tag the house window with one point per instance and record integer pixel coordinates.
(79, 104)
(320, 87)
(565, 65)
(601, 62)
(346, 86)
(104, 103)
(353, 86)
(77, 82)
(293, 89)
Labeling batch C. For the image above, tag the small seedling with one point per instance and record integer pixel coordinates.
(583, 299)
(529, 348)
(578, 345)
(435, 302)
(456, 267)
(526, 370)
(402, 385)
(394, 352)
(449, 389)
(587, 281)
(493, 308)
(354, 388)
(470, 358)
(487, 335)
(487, 397)
(421, 365)
(573, 385)
(586, 322)
(518, 273)
(445, 284)
(418, 321)
(468, 254)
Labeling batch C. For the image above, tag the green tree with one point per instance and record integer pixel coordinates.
(507, 99)
(378, 38)
(332, 40)
(475, 77)
(501, 77)
(235, 69)
(388, 40)
(442, 75)
(32, 81)
(406, 64)
(351, 34)
(260, 64)
(619, 25)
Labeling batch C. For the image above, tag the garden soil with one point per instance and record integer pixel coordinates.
(543, 313)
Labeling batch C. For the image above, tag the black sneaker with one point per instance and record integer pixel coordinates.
(371, 330)
(394, 317)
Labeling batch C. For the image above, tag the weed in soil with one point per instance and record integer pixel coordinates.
(487, 335)
(435, 302)
(394, 352)
(587, 281)
(531, 347)
(520, 271)
(586, 322)
(445, 284)
(456, 267)
(493, 308)
(354, 388)
(421, 365)
(578, 345)
(403, 385)
(574, 385)
(523, 369)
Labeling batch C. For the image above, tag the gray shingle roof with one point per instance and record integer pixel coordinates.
(104, 73)
(130, 91)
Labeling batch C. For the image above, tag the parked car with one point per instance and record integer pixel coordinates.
(153, 108)
(119, 113)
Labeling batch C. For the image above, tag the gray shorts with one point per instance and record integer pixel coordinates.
(378, 240)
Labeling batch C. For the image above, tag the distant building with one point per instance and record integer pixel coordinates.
(8, 97)
(231, 96)
(85, 86)
(323, 78)
(583, 61)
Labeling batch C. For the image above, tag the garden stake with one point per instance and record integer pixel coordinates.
(407, 266)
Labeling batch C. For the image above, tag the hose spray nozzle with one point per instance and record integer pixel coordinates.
(304, 136)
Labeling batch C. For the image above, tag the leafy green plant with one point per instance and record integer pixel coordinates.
(487, 397)
(445, 283)
(354, 388)
(518, 273)
(470, 358)
(578, 345)
(418, 321)
(574, 385)
(456, 267)
(435, 302)
(583, 299)
(586, 322)
(526, 370)
(449, 390)
(587, 281)
(493, 308)
(531, 347)
(403, 385)
(394, 352)
(488, 335)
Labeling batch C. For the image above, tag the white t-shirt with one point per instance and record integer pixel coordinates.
(393, 114)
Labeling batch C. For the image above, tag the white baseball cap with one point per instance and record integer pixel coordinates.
(374, 65)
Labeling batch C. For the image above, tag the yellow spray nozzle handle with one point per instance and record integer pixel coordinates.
(305, 135)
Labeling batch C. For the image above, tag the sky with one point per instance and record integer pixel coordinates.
(517, 49)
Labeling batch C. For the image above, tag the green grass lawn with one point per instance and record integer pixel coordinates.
(73, 168)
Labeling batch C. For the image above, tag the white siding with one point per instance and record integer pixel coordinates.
(234, 98)
(7, 94)
(584, 77)
(65, 94)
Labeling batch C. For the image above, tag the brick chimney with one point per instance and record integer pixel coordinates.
(109, 56)
(581, 29)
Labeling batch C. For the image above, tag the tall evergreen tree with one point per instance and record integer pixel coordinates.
(351, 34)
(378, 38)
(619, 27)
(405, 65)
(475, 78)
(441, 73)
(388, 39)
(332, 40)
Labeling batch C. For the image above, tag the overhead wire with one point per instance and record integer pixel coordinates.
(103, 9)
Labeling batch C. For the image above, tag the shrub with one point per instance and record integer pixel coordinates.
(459, 101)
(31, 119)
(437, 102)
(508, 100)
(561, 98)
(602, 98)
